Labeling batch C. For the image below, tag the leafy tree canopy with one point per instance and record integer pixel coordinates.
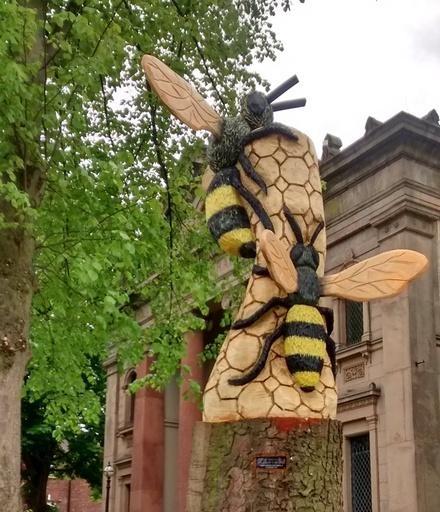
(78, 455)
(104, 179)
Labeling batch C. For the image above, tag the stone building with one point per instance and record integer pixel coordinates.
(382, 193)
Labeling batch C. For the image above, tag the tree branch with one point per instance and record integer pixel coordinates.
(201, 54)
(164, 174)
(115, 10)
(106, 114)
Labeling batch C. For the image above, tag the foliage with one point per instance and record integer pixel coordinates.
(78, 455)
(104, 179)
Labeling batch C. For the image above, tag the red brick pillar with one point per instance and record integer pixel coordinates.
(147, 477)
(189, 412)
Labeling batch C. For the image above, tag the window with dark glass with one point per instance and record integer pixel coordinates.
(127, 497)
(130, 398)
(354, 322)
(360, 474)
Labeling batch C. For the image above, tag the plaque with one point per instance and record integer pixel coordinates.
(271, 462)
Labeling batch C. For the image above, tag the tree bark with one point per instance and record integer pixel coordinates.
(267, 465)
(35, 489)
(16, 288)
(37, 459)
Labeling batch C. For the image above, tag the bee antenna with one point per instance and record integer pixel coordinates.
(284, 105)
(281, 89)
(294, 225)
(316, 233)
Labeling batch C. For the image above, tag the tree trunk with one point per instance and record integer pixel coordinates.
(35, 489)
(17, 282)
(16, 288)
(267, 465)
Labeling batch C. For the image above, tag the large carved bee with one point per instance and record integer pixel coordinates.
(225, 214)
(307, 327)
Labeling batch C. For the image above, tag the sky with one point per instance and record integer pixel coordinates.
(354, 59)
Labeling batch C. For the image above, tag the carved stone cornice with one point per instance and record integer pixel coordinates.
(359, 399)
(345, 353)
(123, 461)
(110, 364)
(402, 198)
(407, 215)
(403, 135)
(126, 430)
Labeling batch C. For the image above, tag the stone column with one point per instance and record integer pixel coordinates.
(148, 449)
(372, 428)
(402, 490)
(424, 373)
(366, 335)
(411, 380)
(189, 411)
(111, 426)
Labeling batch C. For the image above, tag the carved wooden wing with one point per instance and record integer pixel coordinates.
(378, 277)
(278, 260)
(180, 97)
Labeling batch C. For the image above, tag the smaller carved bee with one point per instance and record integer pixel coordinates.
(307, 327)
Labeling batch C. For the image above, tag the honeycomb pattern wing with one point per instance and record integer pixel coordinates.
(278, 260)
(378, 277)
(181, 99)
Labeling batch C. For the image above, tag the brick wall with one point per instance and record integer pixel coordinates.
(72, 496)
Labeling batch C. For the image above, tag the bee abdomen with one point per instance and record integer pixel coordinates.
(304, 345)
(227, 218)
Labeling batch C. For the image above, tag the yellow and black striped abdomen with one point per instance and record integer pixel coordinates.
(304, 345)
(227, 218)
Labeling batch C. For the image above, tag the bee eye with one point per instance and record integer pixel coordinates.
(296, 252)
(256, 103)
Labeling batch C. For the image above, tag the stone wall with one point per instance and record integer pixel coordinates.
(383, 192)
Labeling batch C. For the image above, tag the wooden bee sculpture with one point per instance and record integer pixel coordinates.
(226, 216)
(263, 184)
(307, 327)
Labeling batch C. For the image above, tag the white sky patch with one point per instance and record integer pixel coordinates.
(354, 59)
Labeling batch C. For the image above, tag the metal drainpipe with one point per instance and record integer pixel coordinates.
(69, 494)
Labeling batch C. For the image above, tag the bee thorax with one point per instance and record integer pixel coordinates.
(224, 152)
(308, 286)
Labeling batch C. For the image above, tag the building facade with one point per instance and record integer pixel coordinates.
(382, 193)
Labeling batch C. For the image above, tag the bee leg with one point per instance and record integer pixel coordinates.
(294, 226)
(272, 303)
(261, 361)
(249, 170)
(282, 129)
(331, 351)
(254, 203)
(274, 128)
(328, 315)
(258, 270)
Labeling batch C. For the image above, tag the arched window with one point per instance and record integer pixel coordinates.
(131, 398)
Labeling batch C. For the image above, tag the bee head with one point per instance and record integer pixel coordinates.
(256, 110)
(303, 255)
